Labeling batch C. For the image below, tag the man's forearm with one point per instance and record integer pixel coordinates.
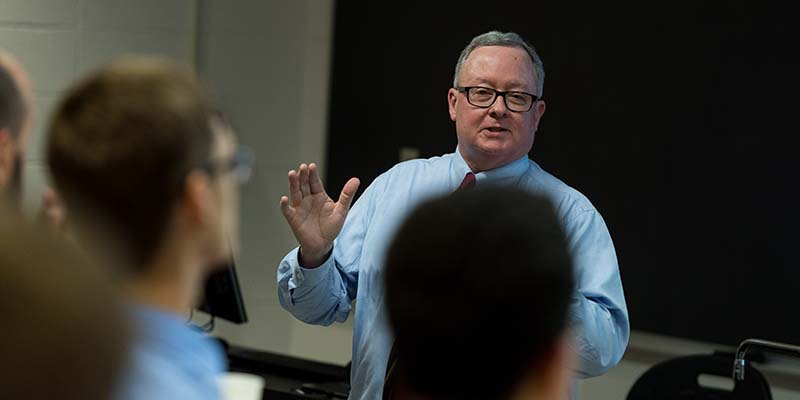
(316, 296)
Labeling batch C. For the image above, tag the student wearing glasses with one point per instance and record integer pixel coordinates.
(149, 174)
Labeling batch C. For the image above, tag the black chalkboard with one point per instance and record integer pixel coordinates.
(678, 120)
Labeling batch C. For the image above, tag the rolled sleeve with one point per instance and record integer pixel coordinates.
(598, 313)
(313, 295)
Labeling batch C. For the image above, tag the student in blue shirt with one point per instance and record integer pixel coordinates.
(146, 168)
(496, 104)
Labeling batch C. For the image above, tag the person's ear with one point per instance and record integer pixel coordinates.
(195, 199)
(538, 111)
(7, 155)
(548, 376)
(452, 96)
(561, 366)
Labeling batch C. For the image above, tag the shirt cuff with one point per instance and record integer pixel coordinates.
(310, 276)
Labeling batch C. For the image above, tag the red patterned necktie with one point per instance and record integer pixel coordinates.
(391, 389)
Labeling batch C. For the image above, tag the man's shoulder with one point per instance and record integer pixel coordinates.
(417, 168)
(151, 376)
(412, 175)
(421, 164)
(159, 368)
(163, 338)
(563, 195)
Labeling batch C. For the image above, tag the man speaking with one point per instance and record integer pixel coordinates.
(496, 104)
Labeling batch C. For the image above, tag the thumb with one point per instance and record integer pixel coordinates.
(348, 192)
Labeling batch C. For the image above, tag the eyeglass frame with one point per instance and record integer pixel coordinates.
(241, 164)
(497, 93)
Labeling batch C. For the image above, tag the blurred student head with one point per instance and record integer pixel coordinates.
(148, 173)
(64, 335)
(478, 285)
(137, 148)
(15, 120)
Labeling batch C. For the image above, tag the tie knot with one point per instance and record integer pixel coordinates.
(467, 183)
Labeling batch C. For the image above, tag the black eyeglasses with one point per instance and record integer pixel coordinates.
(241, 164)
(484, 97)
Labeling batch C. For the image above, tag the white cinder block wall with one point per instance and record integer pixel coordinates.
(268, 63)
(60, 40)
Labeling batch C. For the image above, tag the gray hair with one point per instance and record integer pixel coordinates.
(507, 39)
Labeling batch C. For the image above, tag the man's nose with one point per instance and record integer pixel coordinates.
(498, 108)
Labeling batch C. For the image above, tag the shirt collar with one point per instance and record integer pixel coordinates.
(505, 174)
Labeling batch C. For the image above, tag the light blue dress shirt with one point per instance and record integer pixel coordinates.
(169, 360)
(323, 295)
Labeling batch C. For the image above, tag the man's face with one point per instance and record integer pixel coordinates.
(492, 137)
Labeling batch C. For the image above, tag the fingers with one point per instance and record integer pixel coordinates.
(314, 182)
(304, 182)
(295, 195)
(287, 211)
(305, 188)
(348, 192)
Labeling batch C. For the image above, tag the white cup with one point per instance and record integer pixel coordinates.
(240, 386)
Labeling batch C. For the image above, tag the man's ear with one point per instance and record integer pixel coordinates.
(538, 111)
(194, 201)
(7, 154)
(452, 96)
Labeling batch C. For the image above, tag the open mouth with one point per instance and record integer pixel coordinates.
(496, 129)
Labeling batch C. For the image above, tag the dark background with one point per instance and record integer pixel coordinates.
(678, 121)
